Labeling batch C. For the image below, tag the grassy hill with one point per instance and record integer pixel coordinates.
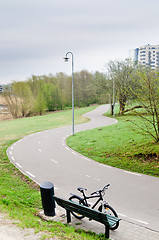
(120, 145)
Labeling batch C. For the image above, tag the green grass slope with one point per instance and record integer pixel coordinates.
(120, 145)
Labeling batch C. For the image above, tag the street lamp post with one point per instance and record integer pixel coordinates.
(113, 98)
(66, 60)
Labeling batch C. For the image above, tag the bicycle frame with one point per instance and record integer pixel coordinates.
(89, 197)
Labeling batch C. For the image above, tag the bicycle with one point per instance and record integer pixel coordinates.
(104, 207)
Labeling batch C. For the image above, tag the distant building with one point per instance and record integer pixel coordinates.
(147, 55)
(2, 88)
(133, 54)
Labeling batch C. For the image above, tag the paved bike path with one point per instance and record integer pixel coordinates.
(45, 156)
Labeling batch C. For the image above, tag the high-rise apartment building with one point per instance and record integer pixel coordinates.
(133, 54)
(147, 55)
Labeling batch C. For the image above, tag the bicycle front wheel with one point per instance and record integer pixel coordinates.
(78, 200)
(109, 210)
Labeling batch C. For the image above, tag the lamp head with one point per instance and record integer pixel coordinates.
(66, 59)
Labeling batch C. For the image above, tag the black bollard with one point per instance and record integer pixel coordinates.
(48, 202)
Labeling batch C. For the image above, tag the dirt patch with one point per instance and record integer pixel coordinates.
(9, 231)
(151, 157)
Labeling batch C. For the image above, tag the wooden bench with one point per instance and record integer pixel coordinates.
(90, 213)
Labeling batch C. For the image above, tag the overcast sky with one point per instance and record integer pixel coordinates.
(36, 34)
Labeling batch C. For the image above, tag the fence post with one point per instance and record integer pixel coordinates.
(48, 202)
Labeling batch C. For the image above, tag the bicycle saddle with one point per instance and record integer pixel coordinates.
(81, 189)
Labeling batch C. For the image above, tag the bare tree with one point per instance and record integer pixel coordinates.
(12, 103)
(119, 72)
(19, 99)
(147, 95)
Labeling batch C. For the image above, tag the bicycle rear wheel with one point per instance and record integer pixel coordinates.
(109, 210)
(78, 200)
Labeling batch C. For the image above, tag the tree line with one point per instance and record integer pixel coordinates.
(125, 81)
(51, 93)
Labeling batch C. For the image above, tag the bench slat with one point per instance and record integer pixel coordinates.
(86, 212)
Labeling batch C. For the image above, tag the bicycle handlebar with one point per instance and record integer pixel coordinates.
(100, 191)
(106, 187)
(94, 193)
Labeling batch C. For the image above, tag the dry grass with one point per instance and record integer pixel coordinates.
(3, 114)
(2, 100)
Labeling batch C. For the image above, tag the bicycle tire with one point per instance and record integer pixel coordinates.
(109, 210)
(78, 200)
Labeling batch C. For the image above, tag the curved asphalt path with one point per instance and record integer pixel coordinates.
(44, 156)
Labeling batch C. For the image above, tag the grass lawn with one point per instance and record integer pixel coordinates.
(13, 129)
(19, 196)
(119, 145)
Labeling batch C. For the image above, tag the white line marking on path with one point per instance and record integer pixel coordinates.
(40, 150)
(54, 161)
(122, 215)
(103, 165)
(30, 174)
(86, 159)
(10, 153)
(137, 220)
(134, 219)
(13, 158)
(67, 148)
(136, 174)
(88, 176)
(11, 148)
(74, 153)
(146, 223)
(18, 165)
